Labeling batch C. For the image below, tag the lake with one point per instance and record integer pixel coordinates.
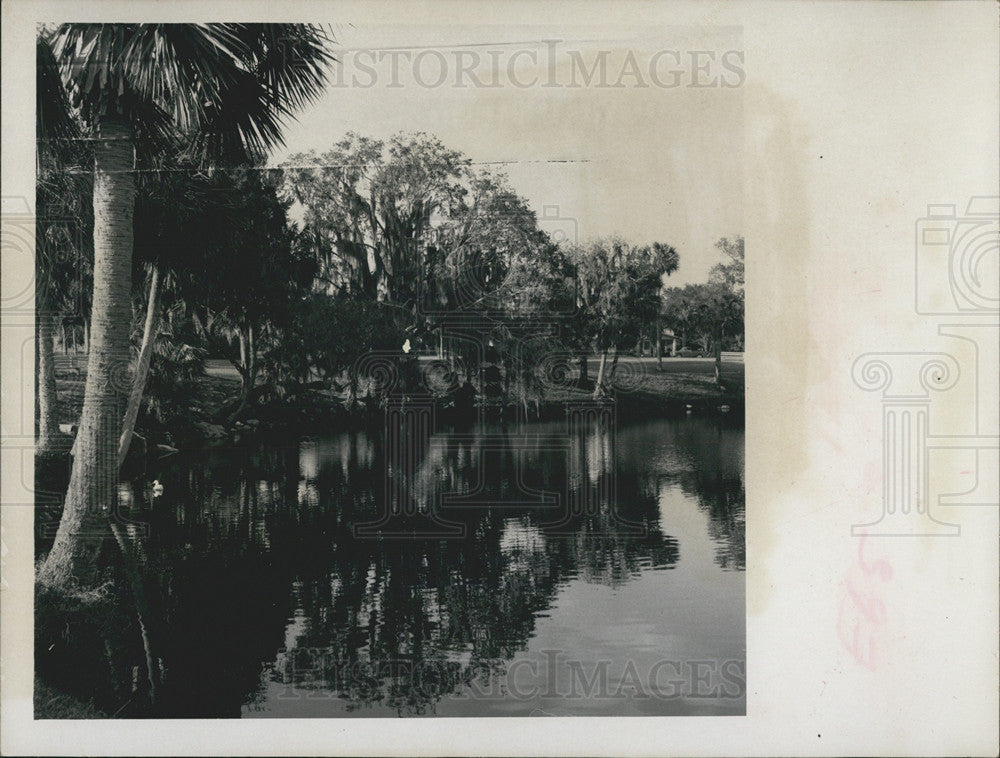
(533, 569)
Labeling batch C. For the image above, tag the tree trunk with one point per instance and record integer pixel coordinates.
(48, 419)
(252, 368)
(247, 369)
(352, 391)
(599, 384)
(35, 385)
(86, 335)
(133, 572)
(718, 361)
(149, 334)
(584, 370)
(659, 345)
(72, 561)
(614, 365)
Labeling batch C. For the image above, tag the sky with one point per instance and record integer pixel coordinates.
(626, 131)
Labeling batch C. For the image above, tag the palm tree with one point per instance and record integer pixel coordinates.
(56, 199)
(226, 89)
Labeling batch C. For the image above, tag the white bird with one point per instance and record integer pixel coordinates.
(157, 488)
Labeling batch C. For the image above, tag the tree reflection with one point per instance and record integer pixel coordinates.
(713, 472)
(252, 558)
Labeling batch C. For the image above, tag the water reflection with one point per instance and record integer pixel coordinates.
(257, 597)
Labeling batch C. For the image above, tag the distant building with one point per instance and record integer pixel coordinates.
(669, 341)
(668, 344)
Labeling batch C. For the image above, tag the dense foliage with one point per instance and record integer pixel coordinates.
(396, 255)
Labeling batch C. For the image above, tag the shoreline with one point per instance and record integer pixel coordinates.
(683, 386)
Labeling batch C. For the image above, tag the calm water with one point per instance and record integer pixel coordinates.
(257, 599)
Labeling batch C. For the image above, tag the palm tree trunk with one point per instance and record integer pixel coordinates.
(142, 366)
(72, 561)
(48, 419)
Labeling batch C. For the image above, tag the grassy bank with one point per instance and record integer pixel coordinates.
(49, 703)
(641, 386)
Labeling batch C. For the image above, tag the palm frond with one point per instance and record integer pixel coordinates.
(56, 128)
(289, 60)
(280, 69)
(227, 87)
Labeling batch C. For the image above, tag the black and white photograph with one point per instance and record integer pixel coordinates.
(352, 403)
(418, 366)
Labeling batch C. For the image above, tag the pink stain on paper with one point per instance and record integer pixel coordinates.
(861, 623)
